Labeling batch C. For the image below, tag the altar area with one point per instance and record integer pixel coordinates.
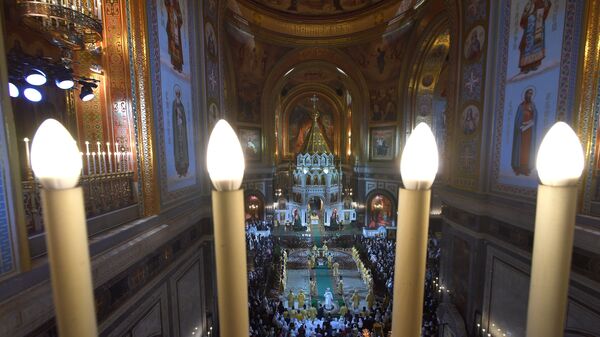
(299, 275)
(316, 193)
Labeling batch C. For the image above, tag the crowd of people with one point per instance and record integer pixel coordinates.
(253, 225)
(260, 251)
(271, 317)
(379, 253)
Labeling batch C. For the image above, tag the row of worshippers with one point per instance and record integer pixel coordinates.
(380, 254)
(283, 270)
(365, 272)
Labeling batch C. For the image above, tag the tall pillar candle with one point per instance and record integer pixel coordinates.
(230, 252)
(559, 163)
(226, 174)
(56, 161)
(69, 259)
(418, 167)
(409, 266)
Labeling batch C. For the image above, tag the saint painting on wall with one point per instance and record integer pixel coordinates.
(172, 93)
(470, 119)
(173, 28)
(381, 143)
(533, 39)
(523, 149)
(211, 39)
(213, 115)
(251, 143)
(474, 43)
(383, 105)
(180, 137)
(535, 88)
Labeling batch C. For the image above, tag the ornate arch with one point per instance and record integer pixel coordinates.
(328, 58)
(369, 199)
(261, 199)
(300, 93)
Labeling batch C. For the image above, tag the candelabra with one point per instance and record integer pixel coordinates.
(70, 24)
(107, 179)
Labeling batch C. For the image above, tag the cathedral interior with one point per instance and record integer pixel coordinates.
(323, 96)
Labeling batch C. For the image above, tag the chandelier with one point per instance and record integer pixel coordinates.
(73, 24)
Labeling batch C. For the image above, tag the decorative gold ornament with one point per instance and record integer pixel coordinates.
(67, 23)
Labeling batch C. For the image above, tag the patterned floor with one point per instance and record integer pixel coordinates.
(298, 277)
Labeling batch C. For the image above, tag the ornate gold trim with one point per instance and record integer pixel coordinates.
(278, 28)
(587, 95)
(143, 117)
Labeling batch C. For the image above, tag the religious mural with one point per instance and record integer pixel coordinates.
(383, 104)
(213, 115)
(251, 143)
(382, 143)
(474, 44)
(470, 119)
(317, 7)
(211, 39)
(251, 60)
(174, 93)
(380, 63)
(299, 122)
(535, 89)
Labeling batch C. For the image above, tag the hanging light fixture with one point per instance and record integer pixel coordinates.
(32, 94)
(36, 77)
(13, 91)
(87, 91)
(64, 81)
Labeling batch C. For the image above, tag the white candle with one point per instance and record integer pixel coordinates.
(130, 161)
(99, 149)
(104, 161)
(117, 156)
(418, 168)
(121, 161)
(226, 173)
(81, 163)
(94, 162)
(88, 163)
(560, 162)
(109, 156)
(26, 140)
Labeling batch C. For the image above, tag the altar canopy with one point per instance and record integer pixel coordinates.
(317, 189)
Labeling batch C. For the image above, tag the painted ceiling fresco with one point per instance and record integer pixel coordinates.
(318, 7)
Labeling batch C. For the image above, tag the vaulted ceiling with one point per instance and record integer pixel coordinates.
(322, 22)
